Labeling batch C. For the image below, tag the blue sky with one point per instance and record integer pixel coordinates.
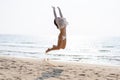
(85, 17)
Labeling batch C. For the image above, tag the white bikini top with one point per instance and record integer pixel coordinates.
(61, 22)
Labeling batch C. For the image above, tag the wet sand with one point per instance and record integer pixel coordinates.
(12, 68)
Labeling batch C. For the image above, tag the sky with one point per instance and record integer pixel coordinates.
(85, 17)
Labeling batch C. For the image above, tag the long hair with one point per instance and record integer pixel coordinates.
(55, 24)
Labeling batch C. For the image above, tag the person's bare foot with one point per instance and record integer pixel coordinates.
(48, 50)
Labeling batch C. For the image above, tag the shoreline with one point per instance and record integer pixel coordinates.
(64, 61)
(14, 68)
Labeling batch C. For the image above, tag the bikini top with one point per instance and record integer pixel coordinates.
(61, 22)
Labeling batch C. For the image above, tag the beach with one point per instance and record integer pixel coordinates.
(13, 68)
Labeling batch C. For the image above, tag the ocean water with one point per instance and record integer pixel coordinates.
(92, 50)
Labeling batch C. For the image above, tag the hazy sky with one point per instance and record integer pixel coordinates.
(35, 17)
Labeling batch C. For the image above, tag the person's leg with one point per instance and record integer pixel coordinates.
(53, 48)
(58, 46)
(63, 44)
(59, 40)
(60, 12)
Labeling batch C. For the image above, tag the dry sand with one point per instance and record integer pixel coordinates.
(35, 69)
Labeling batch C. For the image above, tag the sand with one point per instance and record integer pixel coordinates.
(12, 68)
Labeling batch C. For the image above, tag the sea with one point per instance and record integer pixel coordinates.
(82, 49)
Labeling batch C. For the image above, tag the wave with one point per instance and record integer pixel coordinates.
(12, 51)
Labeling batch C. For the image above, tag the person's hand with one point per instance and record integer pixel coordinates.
(58, 7)
(53, 7)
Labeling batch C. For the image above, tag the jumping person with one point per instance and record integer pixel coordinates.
(61, 24)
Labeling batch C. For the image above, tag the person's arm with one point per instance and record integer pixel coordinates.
(54, 12)
(60, 12)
